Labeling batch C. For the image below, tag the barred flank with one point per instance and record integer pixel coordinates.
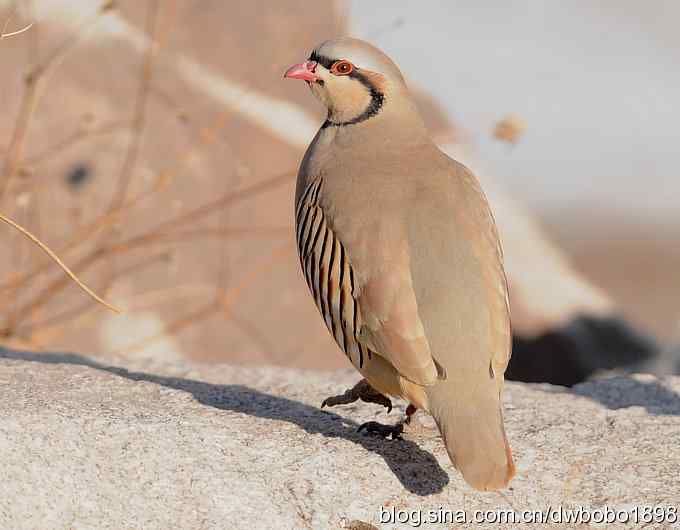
(328, 273)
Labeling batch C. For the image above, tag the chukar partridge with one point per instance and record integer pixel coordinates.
(400, 251)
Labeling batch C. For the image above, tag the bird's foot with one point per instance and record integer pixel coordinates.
(410, 411)
(385, 431)
(363, 391)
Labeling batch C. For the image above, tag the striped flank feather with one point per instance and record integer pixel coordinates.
(329, 275)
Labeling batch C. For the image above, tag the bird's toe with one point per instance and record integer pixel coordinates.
(385, 431)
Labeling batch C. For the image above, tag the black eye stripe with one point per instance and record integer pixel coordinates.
(377, 97)
(328, 63)
(324, 61)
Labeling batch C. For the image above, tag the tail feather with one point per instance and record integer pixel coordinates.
(473, 432)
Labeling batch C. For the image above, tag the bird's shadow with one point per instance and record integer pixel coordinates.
(417, 470)
(621, 392)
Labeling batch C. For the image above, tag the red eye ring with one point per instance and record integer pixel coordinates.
(342, 67)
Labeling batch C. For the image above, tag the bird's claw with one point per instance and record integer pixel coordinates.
(342, 399)
(380, 400)
(363, 391)
(385, 431)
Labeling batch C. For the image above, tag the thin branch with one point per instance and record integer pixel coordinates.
(75, 312)
(206, 136)
(75, 138)
(82, 236)
(132, 153)
(59, 147)
(35, 81)
(111, 250)
(184, 219)
(56, 259)
(227, 199)
(5, 35)
(147, 299)
(222, 302)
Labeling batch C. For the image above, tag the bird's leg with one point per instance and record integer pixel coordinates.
(410, 411)
(363, 391)
(386, 431)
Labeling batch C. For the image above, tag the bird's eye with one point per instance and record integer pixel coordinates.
(342, 67)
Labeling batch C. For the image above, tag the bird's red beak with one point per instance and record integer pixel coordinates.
(304, 71)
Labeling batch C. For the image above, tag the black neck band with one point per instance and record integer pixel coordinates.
(377, 97)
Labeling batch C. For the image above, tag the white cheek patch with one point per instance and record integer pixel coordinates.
(321, 93)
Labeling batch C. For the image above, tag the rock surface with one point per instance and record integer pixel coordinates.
(89, 444)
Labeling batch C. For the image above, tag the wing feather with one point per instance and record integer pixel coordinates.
(378, 315)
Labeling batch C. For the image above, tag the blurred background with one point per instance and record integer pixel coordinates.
(153, 146)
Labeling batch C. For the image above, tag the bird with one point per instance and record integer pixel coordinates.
(400, 252)
(566, 328)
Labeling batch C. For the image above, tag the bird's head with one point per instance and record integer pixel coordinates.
(353, 79)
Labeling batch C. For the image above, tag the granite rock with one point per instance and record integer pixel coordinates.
(90, 443)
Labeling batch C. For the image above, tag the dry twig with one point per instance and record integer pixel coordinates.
(45, 329)
(222, 302)
(97, 243)
(56, 259)
(113, 249)
(132, 154)
(4, 34)
(35, 81)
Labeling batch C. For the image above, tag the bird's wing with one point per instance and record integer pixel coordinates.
(487, 246)
(456, 252)
(366, 313)
(391, 324)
